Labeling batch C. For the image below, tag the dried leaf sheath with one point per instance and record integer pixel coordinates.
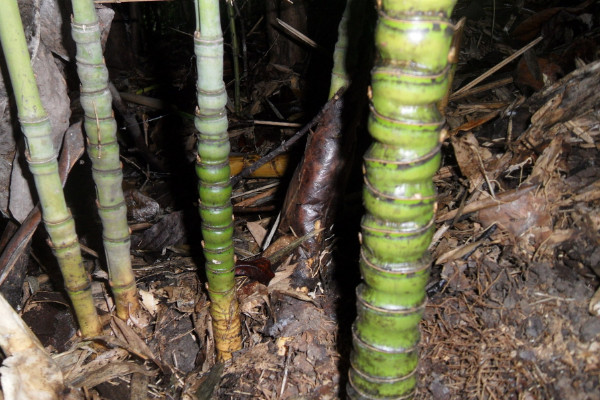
(213, 171)
(320, 179)
(413, 39)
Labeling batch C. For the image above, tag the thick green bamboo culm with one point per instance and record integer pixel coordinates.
(411, 75)
(212, 168)
(103, 149)
(41, 156)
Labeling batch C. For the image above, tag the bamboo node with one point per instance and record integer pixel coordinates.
(86, 28)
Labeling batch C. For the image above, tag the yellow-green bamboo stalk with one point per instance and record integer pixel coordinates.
(41, 156)
(213, 171)
(413, 39)
(339, 72)
(345, 61)
(103, 149)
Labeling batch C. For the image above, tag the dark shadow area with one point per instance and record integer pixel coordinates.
(346, 275)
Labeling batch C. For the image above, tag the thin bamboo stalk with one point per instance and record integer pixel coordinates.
(103, 149)
(41, 156)
(339, 72)
(235, 46)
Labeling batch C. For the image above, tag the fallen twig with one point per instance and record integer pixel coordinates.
(495, 68)
(246, 172)
(505, 197)
(134, 129)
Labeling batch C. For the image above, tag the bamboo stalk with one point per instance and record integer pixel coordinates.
(213, 171)
(339, 72)
(103, 149)
(235, 46)
(41, 157)
(413, 39)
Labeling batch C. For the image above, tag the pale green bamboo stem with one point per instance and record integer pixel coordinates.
(41, 156)
(103, 149)
(215, 188)
(339, 72)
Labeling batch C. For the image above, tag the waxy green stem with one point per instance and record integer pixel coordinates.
(103, 149)
(41, 156)
(413, 39)
(212, 168)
